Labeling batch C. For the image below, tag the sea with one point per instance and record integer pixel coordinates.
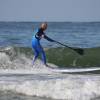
(20, 80)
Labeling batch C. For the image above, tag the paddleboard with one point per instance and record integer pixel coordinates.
(76, 70)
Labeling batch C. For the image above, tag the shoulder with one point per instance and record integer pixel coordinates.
(35, 31)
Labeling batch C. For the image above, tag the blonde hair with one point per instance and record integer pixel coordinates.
(43, 25)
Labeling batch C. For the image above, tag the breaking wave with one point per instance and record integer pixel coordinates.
(20, 78)
(21, 57)
(55, 86)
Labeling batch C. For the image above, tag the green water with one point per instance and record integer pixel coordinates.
(64, 57)
(68, 58)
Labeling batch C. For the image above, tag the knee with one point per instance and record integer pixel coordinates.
(43, 53)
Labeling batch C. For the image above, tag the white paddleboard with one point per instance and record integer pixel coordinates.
(76, 70)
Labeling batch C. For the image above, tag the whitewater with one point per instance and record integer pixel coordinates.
(69, 75)
(19, 79)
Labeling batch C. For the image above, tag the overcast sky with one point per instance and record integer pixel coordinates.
(49, 10)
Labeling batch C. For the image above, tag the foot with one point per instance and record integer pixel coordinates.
(46, 65)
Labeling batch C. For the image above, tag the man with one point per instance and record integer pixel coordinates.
(39, 34)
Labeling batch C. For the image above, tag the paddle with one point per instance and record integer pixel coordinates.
(78, 50)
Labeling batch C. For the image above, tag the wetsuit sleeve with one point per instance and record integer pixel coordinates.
(47, 38)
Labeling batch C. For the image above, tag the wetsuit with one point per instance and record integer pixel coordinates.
(37, 46)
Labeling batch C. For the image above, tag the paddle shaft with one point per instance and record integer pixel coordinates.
(78, 50)
(63, 45)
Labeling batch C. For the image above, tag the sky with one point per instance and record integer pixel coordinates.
(50, 10)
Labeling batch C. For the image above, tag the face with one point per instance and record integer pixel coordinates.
(44, 26)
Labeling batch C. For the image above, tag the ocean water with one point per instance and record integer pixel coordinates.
(77, 34)
(20, 80)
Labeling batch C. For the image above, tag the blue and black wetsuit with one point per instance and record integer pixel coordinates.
(37, 46)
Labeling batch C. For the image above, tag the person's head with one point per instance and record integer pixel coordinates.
(44, 26)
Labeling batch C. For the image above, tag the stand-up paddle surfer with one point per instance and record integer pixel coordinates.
(39, 34)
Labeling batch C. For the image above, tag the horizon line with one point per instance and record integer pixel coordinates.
(54, 21)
